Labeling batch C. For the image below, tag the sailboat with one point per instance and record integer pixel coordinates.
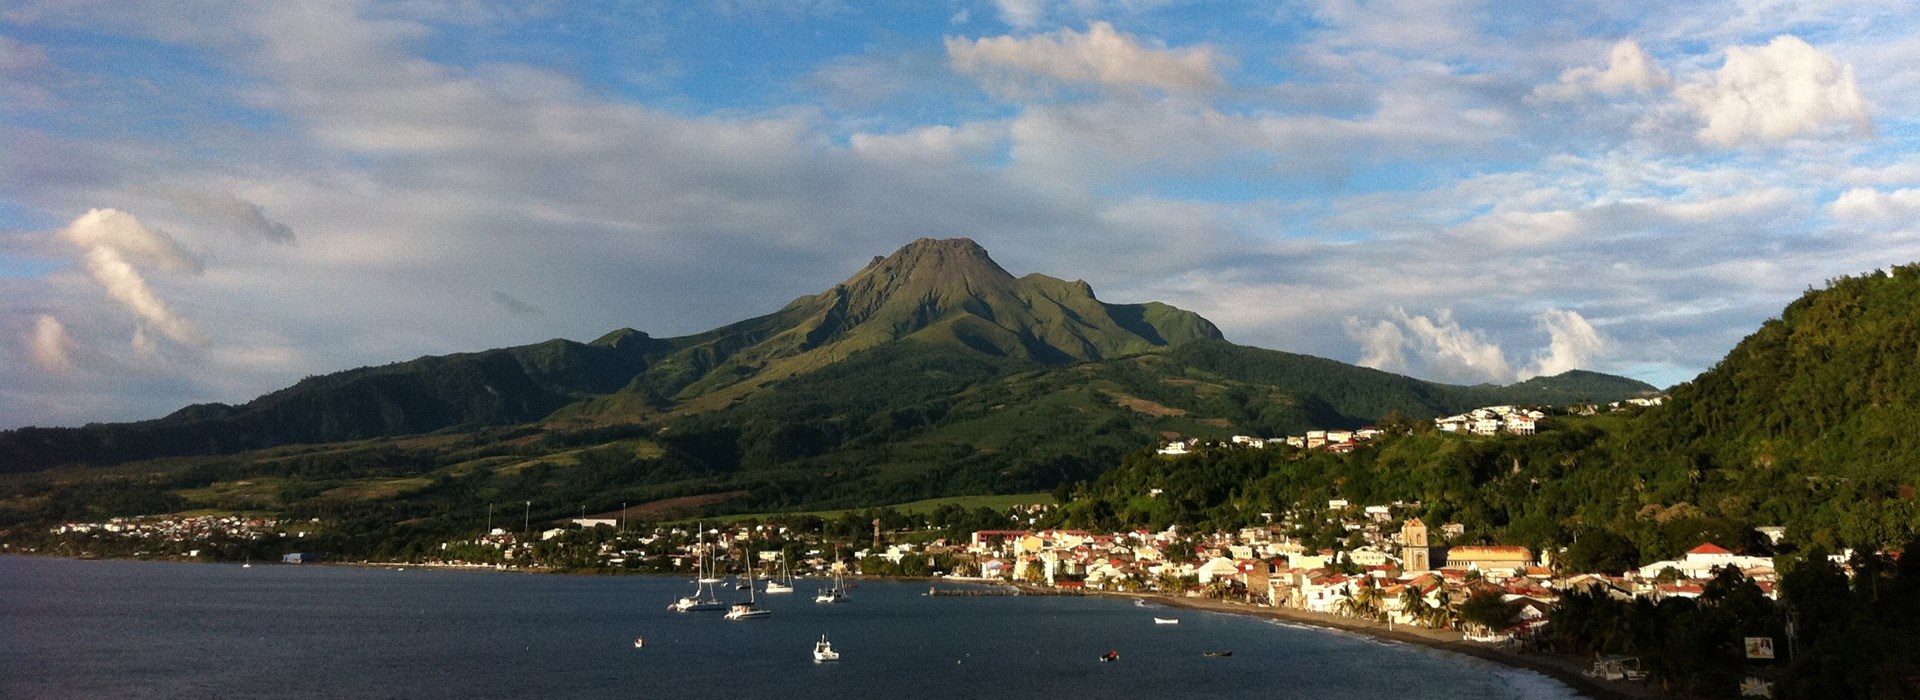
(836, 594)
(823, 651)
(784, 584)
(704, 598)
(746, 611)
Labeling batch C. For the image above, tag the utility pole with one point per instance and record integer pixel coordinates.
(526, 520)
(489, 520)
(623, 516)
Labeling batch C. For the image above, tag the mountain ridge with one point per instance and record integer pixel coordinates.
(934, 295)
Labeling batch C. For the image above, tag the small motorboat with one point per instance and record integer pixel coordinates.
(746, 611)
(1165, 621)
(823, 651)
(1218, 653)
(639, 642)
(1110, 656)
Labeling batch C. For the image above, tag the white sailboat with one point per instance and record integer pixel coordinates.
(836, 594)
(704, 598)
(784, 584)
(823, 651)
(747, 611)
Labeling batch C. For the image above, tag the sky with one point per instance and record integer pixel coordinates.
(207, 201)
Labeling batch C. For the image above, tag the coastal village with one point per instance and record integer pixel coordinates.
(1392, 568)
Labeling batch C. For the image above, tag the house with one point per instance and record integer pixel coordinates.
(1701, 561)
(1520, 424)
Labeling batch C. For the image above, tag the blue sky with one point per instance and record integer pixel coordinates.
(203, 202)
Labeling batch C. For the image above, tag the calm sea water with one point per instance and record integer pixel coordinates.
(95, 629)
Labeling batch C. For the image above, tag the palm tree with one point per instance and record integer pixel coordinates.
(1414, 605)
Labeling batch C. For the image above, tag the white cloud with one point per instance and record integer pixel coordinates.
(1101, 56)
(1022, 14)
(1382, 345)
(112, 240)
(1574, 344)
(1438, 347)
(1629, 69)
(51, 349)
(1868, 204)
(1776, 92)
(121, 232)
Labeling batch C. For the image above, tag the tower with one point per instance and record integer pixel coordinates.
(1413, 546)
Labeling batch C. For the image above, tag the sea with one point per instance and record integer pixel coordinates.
(138, 629)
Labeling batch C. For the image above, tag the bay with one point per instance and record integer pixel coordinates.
(88, 629)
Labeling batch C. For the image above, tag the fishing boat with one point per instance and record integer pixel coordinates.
(823, 651)
(1165, 621)
(784, 584)
(1110, 656)
(1218, 653)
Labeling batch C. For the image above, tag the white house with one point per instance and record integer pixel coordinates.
(1700, 562)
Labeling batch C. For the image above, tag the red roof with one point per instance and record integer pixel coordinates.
(1708, 548)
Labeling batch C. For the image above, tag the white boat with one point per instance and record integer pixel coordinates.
(704, 599)
(1165, 621)
(639, 642)
(747, 611)
(784, 584)
(836, 594)
(823, 651)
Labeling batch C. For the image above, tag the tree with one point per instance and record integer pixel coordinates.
(1488, 610)
(1602, 551)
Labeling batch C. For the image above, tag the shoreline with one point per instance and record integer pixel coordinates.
(1563, 668)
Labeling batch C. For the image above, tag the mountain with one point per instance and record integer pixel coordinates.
(927, 328)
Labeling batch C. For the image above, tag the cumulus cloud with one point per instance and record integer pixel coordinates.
(1868, 204)
(1102, 56)
(1629, 69)
(113, 240)
(51, 348)
(1573, 344)
(1438, 347)
(1776, 92)
(1382, 345)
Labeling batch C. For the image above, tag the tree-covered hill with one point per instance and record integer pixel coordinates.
(1811, 423)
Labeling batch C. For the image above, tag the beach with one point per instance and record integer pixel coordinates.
(1562, 667)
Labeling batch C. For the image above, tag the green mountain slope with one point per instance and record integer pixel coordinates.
(931, 327)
